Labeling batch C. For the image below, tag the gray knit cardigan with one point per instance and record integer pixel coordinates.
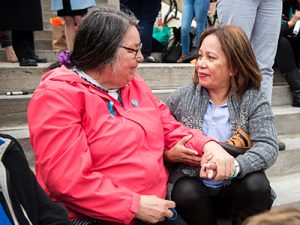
(252, 112)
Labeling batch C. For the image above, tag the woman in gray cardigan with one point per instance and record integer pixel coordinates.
(225, 102)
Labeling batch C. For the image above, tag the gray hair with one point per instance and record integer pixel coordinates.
(99, 36)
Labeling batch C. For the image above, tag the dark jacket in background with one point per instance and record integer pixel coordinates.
(21, 15)
(24, 190)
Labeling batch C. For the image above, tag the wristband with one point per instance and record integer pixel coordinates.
(236, 170)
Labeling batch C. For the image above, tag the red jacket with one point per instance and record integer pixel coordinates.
(96, 160)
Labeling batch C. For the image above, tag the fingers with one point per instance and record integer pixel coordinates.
(185, 139)
(190, 151)
(153, 209)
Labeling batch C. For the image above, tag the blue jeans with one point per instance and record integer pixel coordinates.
(261, 20)
(146, 12)
(191, 9)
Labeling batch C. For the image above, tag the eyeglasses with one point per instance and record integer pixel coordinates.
(132, 50)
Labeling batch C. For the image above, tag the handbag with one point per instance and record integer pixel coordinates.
(238, 143)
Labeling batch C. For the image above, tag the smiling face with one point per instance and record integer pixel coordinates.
(128, 57)
(212, 67)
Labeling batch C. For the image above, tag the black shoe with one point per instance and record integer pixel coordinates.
(150, 59)
(28, 62)
(40, 60)
(281, 145)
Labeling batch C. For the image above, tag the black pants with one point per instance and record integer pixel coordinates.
(178, 221)
(288, 54)
(242, 198)
(23, 44)
(5, 38)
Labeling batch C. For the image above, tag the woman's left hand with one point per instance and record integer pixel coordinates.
(179, 153)
(224, 162)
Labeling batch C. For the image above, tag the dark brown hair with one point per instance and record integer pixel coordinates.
(286, 215)
(240, 57)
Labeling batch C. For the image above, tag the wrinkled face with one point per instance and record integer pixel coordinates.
(128, 58)
(212, 67)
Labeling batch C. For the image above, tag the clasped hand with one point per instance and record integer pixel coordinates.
(215, 163)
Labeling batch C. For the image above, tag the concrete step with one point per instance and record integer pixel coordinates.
(287, 189)
(288, 160)
(158, 76)
(287, 119)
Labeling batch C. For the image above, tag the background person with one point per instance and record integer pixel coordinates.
(22, 18)
(288, 55)
(99, 133)
(191, 9)
(225, 102)
(261, 22)
(72, 12)
(146, 12)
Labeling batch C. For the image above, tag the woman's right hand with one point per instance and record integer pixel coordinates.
(179, 153)
(153, 209)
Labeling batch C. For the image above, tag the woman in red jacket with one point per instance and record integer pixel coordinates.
(99, 133)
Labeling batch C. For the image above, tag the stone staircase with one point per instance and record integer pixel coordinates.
(163, 80)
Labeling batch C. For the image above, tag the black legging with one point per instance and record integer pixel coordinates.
(288, 54)
(242, 198)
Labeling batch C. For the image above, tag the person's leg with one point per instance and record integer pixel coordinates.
(69, 31)
(147, 16)
(186, 21)
(285, 58)
(6, 43)
(238, 12)
(264, 40)
(200, 9)
(245, 197)
(287, 64)
(22, 42)
(193, 202)
(5, 38)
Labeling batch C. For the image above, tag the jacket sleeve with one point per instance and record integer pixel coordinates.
(175, 130)
(64, 165)
(49, 212)
(263, 134)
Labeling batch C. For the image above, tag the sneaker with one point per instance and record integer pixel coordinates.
(150, 59)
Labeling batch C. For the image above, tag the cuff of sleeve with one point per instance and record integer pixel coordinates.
(134, 207)
(201, 140)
